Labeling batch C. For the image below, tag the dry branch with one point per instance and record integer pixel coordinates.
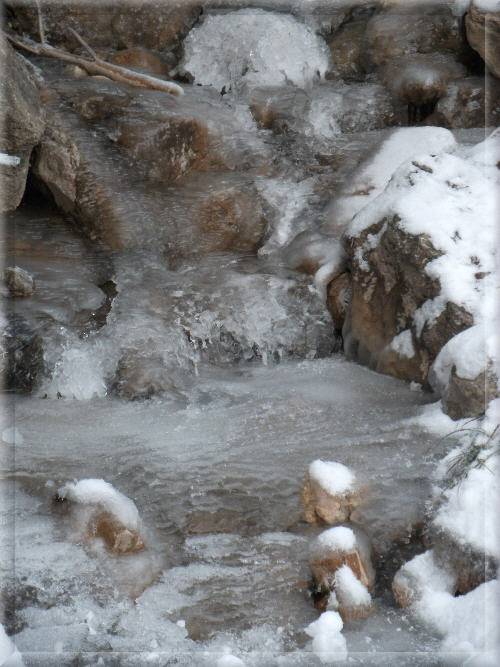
(98, 66)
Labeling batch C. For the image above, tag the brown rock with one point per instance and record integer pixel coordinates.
(339, 293)
(469, 398)
(349, 52)
(141, 59)
(352, 598)
(118, 538)
(21, 123)
(483, 34)
(336, 547)
(468, 103)
(321, 507)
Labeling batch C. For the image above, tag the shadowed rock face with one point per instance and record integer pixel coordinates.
(483, 34)
(468, 398)
(21, 126)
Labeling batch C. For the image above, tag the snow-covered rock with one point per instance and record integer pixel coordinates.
(418, 576)
(328, 643)
(352, 597)
(483, 32)
(330, 493)
(339, 546)
(114, 518)
(423, 259)
(256, 48)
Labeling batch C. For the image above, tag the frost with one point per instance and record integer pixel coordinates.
(256, 48)
(328, 643)
(103, 494)
(333, 477)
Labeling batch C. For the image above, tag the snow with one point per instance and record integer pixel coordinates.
(374, 174)
(77, 374)
(328, 643)
(487, 5)
(256, 48)
(339, 538)
(229, 660)
(9, 160)
(403, 344)
(335, 478)
(12, 436)
(9, 655)
(349, 590)
(470, 512)
(421, 575)
(102, 493)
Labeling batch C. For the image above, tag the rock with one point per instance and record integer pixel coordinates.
(411, 29)
(22, 126)
(466, 397)
(349, 52)
(468, 103)
(141, 59)
(420, 81)
(353, 601)
(19, 282)
(339, 294)
(330, 493)
(421, 573)
(336, 547)
(21, 355)
(118, 538)
(139, 377)
(152, 25)
(309, 251)
(483, 34)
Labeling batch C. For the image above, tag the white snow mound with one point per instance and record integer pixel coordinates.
(335, 478)
(327, 641)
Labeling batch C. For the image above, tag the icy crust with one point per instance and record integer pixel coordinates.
(333, 477)
(328, 643)
(452, 201)
(374, 174)
(256, 48)
(104, 495)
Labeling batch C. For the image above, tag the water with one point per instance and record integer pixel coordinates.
(229, 464)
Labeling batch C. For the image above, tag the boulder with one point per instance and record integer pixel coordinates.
(407, 29)
(349, 52)
(483, 34)
(336, 547)
(22, 123)
(330, 493)
(153, 25)
(19, 282)
(142, 377)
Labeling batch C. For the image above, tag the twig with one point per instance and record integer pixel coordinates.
(98, 66)
(40, 22)
(84, 44)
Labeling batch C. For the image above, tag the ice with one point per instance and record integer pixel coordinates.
(333, 477)
(12, 436)
(9, 160)
(328, 643)
(9, 655)
(488, 5)
(349, 590)
(229, 660)
(370, 179)
(339, 538)
(77, 374)
(256, 48)
(103, 494)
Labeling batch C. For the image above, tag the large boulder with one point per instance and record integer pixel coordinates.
(22, 124)
(483, 32)
(153, 25)
(404, 250)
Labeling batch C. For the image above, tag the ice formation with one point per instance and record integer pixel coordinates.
(254, 47)
(9, 655)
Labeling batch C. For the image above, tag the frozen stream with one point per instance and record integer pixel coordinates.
(229, 464)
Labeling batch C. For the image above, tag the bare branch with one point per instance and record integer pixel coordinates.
(90, 51)
(98, 66)
(40, 22)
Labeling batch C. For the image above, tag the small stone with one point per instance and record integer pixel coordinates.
(19, 282)
(118, 538)
(329, 494)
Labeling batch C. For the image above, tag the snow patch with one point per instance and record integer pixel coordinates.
(349, 590)
(103, 494)
(327, 641)
(9, 160)
(335, 478)
(402, 344)
(339, 538)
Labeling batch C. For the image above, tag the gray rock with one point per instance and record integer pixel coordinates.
(19, 282)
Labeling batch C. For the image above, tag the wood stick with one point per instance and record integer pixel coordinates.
(90, 51)
(40, 22)
(98, 66)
